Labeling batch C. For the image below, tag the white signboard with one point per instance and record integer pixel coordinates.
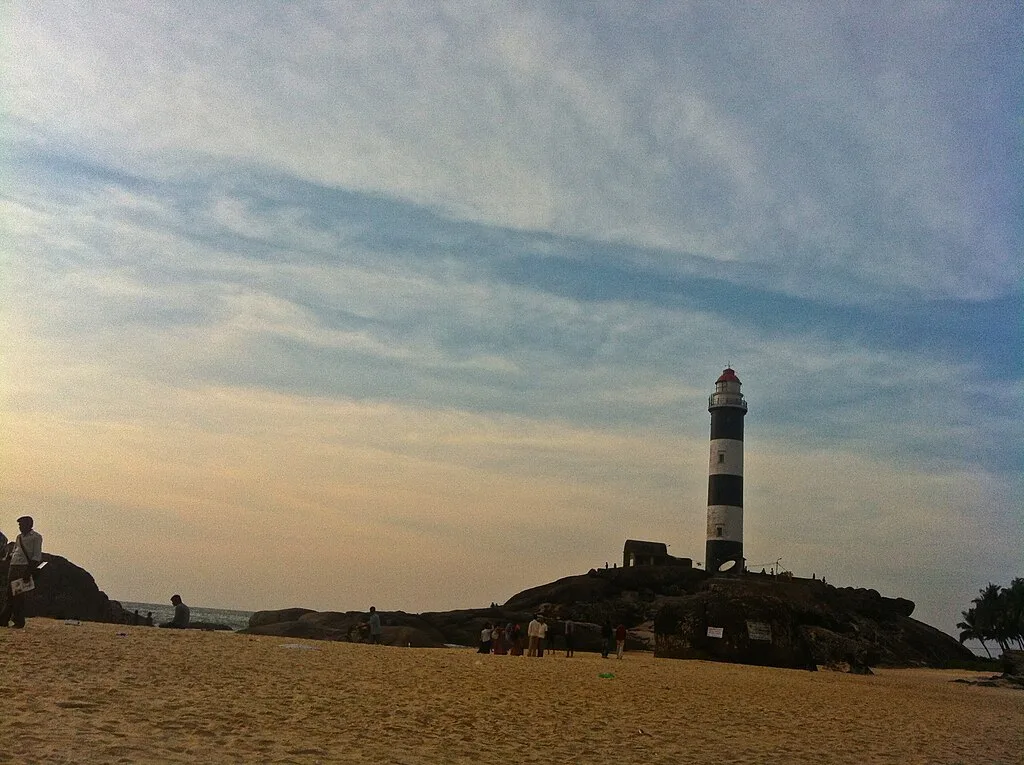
(715, 632)
(759, 631)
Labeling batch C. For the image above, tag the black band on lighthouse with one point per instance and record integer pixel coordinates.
(718, 551)
(727, 423)
(725, 490)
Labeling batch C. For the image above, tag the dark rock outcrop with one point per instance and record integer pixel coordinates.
(261, 618)
(66, 591)
(681, 630)
(1012, 663)
(807, 623)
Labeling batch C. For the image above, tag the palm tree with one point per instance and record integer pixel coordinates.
(969, 629)
(1013, 603)
(988, 607)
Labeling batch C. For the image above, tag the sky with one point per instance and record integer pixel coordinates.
(420, 304)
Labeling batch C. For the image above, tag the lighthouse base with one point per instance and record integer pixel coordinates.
(719, 551)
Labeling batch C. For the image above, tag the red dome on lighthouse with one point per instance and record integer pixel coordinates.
(728, 375)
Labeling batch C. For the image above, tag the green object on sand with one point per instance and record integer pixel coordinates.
(606, 674)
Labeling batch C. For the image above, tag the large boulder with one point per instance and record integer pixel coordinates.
(66, 591)
(397, 627)
(264, 618)
(408, 636)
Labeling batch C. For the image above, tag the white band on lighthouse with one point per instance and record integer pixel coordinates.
(725, 522)
(726, 457)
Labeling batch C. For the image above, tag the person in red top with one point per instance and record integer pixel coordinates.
(620, 640)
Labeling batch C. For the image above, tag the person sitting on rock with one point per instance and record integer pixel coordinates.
(181, 614)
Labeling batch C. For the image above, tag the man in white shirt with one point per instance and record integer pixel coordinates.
(26, 555)
(533, 633)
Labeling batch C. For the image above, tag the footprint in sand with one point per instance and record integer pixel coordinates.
(72, 704)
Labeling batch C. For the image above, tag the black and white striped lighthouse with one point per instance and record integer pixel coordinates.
(725, 475)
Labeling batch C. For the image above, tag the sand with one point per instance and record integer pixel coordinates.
(96, 693)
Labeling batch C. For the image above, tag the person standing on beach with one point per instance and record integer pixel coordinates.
(542, 637)
(517, 639)
(485, 639)
(533, 634)
(26, 555)
(375, 629)
(607, 635)
(5, 554)
(620, 640)
(570, 631)
(182, 615)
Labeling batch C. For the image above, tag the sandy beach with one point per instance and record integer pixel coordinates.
(96, 693)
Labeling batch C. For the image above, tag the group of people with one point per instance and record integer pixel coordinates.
(613, 639)
(509, 640)
(181, 619)
(23, 557)
(540, 637)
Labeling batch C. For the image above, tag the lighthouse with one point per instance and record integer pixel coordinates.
(725, 475)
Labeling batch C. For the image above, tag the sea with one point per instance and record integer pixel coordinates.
(164, 612)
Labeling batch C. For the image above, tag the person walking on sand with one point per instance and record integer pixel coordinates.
(182, 615)
(542, 636)
(375, 628)
(570, 632)
(26, 555)
(533, 634)
(607, 635)
(620, 640)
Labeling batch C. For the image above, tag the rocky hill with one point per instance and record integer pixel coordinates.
(754, 619)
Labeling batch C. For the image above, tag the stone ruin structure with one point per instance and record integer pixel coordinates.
(639, 553)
